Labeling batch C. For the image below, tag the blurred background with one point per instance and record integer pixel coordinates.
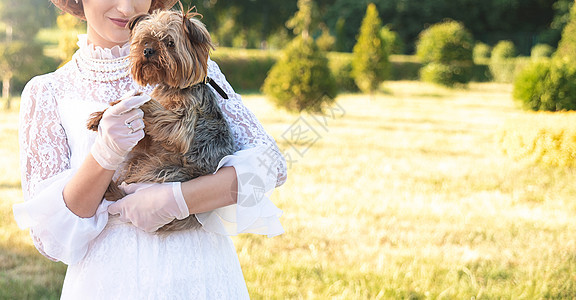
(430, 144)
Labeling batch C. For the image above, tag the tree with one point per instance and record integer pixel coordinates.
(305, 18)
(301, 80)
(370, 63)
(21, 59)
(20, 56)
(69, 27)
(567, 45)
(251, 21)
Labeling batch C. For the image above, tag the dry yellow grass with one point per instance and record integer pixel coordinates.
(406, 195)
(543, 137)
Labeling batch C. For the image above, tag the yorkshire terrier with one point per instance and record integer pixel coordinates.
(186, 132)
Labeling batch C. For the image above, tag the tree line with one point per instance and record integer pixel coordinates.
(525, 22)
(263, 24)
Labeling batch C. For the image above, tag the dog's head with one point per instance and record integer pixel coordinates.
(169, 47)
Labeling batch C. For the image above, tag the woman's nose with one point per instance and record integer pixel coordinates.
(126, 7)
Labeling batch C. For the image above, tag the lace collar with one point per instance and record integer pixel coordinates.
(97, 52)
(99, 64)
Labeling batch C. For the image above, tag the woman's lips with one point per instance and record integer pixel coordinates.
(119, 22)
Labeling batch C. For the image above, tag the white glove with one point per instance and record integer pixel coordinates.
(120, 129)
(150, 206)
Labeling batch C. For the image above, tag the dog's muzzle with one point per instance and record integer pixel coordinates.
(149, 52)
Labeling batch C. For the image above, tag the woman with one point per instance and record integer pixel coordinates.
(110, 248)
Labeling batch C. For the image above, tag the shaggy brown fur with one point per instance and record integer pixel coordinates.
(186, 133)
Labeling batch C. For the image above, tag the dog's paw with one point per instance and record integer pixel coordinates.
(94, 120)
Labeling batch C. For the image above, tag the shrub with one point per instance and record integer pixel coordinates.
(446, 43)
(503, 70)
(370, 65)
(392, 41)
(547, 85)
(541, 50)
(301, 79)
(448, 46)
(547, 138)
(503, 50)
(530, 86)
(481, 53)
(446, 75)
(502, 63)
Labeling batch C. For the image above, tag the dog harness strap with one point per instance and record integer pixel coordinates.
(216, 87)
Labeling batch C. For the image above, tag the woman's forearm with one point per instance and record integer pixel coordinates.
(212, 191)
(85, 191)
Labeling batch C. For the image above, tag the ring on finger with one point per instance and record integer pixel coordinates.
(129, 125)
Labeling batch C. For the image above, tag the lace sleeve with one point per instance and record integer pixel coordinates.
(44, 150)
(46, 169)
(247, 130)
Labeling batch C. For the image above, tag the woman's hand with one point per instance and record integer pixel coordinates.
(150, 206)
(120, 129)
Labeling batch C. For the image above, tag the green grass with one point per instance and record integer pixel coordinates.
(406, 195)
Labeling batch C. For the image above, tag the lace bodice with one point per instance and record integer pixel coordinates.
(54, 142)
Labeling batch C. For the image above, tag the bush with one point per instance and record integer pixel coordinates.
(541, 50)
(392, 41)
(445, 75)
(503, 50)
(503, 70)
(481, 53)
(530, 85)
(447, 50)
(547, 138)
(504, 65)
(446, 43)
(547, 85)
(301, 79)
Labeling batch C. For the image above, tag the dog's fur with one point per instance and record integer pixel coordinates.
(186, 133)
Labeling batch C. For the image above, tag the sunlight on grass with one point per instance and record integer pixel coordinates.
(405, 195)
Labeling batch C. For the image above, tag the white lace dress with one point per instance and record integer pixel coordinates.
(108, 259)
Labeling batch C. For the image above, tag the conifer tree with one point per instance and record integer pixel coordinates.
(370, 62)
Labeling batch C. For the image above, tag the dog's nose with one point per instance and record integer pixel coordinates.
(148, 52)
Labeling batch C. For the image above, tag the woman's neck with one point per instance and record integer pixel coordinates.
(98, 41)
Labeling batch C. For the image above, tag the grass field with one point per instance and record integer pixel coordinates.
(406, 195)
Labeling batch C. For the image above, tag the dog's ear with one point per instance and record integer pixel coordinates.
(134, 20)
(196, 33)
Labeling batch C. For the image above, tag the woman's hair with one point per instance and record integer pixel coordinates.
(75, 8)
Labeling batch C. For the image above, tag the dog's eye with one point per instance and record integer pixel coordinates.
(170, 44)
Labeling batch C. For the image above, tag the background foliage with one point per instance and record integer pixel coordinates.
(524, 22)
